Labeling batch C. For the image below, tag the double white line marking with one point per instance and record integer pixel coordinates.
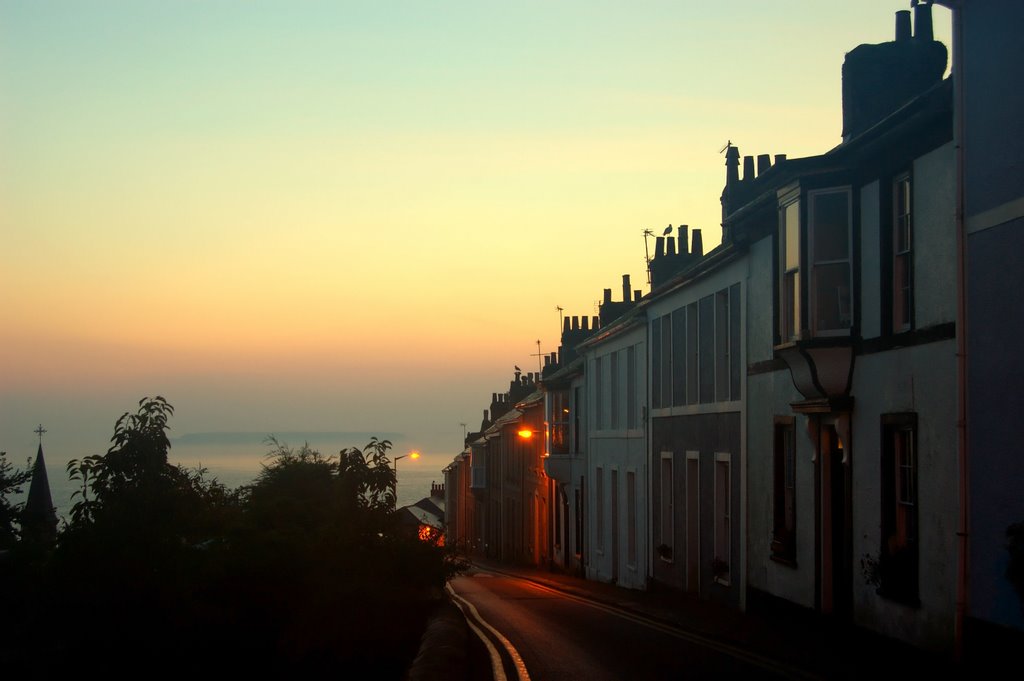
(496, 664)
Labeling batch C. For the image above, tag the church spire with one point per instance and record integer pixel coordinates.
(39, 520)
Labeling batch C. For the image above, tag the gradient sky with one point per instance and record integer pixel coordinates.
(338, 216)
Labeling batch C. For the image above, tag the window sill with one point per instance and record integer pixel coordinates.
(788, 561)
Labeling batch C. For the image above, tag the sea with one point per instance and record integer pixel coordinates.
(235, 459)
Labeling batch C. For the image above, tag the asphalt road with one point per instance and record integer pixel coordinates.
(560, 636)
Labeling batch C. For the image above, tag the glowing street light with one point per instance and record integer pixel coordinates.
(412, 455)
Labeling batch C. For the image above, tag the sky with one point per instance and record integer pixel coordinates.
(353, 216)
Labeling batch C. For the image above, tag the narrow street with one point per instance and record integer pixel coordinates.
(563, 636)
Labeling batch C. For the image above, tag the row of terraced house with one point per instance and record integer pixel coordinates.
(819, 412)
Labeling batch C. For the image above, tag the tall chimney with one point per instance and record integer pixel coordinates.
(923, 21)
(764, 162)
(684, 239)
(902, 25)
(732, 166)
(626, 288)
(607, 295)
(698, 244)
(748, 168)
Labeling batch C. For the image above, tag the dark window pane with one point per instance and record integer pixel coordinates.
(707, 349)
(679, 357)
(734, 342)
(656, 363)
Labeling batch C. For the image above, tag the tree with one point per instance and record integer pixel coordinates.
(11, 480)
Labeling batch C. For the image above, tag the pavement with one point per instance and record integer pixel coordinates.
(797, 640)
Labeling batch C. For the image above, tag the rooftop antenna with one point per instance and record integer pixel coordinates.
(538, 355)
(560, 316)
(647, 254)
(463, 432)
(727, 145)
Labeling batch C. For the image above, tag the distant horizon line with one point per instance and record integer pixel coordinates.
(254, 436)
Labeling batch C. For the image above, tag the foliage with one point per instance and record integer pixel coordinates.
(305, 568)
(11, 480)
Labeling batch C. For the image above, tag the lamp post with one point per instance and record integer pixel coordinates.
(412, 455)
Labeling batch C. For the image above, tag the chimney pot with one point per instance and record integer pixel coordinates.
(659, 247)
(607, 295)
(902, 25)
(748, 168)
(595, 323)
(625, 288)
(566, 325)
(637, 295)
(923, 29)
(586, 321)
(779, 158)
(575, 323)
(698, 244)
(764, 162)
(684, 239)
(670, 245)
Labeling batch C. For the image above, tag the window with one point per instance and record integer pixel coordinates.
(559, 421)
(598, 394)
(692, 354)
(830, 249)
(679, 357)
(784, 498)
(614, 390)
(707, 349)
(898, 558)
(734, 341)
(577, 407)
(599, 507)
(666, 361)
(631, 387)
(656, 363)
(789, 287)
(722, 345)
(902, 260)
(721, 565)
(667, 530)
(631, 518)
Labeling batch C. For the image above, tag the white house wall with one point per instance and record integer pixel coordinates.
(707, 432)
(922, 380)
(934, 220)
(622, 451)
(769, 394)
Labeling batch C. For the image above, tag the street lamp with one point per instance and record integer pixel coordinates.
(412, 455)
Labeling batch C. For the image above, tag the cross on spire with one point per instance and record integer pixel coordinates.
(39, 431)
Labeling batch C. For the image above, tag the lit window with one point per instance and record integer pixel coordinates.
(789, 290)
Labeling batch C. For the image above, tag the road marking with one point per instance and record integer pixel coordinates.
(724, 648)
(496, 664)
